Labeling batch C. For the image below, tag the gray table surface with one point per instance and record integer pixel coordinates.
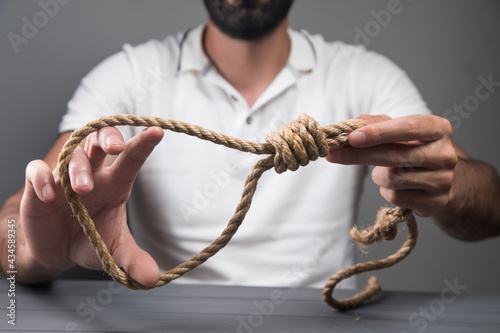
(103, 306)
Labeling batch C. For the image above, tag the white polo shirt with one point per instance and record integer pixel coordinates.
(297, 230)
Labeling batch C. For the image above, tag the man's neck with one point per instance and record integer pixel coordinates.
(250, 66)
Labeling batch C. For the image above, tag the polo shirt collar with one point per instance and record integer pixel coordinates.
(193, 58)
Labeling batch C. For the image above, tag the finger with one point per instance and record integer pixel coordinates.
(106, 141)
(357, 138)
(434, 155)
(372, 119)
(404, 129)
(40, 181)
(95, 153)
(111, 140)
(80, 172)
(413, 179)
(389, 155)
(136, 262)
(421, 202)
(136, 151)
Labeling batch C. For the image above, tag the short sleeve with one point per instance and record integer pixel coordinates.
(104, 91)
(379, 86)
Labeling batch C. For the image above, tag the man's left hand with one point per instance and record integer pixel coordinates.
(414, 159)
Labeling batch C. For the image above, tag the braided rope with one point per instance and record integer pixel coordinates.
(301, 141)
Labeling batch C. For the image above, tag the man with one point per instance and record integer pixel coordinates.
(243, 74)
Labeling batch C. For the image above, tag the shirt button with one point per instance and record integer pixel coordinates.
(249, 120)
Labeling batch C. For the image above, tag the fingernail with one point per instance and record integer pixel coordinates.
(82, 180)
(335, 155)
(113, 140)
(357, 138)
(47, 192)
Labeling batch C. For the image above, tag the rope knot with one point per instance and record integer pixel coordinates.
(299, 142)
(385, 228)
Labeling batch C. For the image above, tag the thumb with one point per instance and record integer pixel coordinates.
(358, 138)
(137, 263)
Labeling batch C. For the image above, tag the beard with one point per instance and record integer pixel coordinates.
(247, 19)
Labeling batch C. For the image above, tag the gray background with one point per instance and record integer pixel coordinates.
(444, 46)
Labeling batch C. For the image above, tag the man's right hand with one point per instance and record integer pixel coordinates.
(53, 240)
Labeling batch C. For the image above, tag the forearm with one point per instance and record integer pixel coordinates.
(473, 211)
(14, 252)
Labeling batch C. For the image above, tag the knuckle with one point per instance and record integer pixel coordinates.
(403, 198)
(374, 118)
(412, 127)
(441, 127)
(391, 195)
(384, 117)
(151, 137)
(450, 161)
(385, 177)
(92, 138)
(377, 132)
(449, 157)
(443, 183)
(401, 177)
(33, 166)
(447, 127)
(137, 151)
(377, 176)
(90, 141)
(417, 158)
(109, 139)
(79, 164)
(397, 199)
(444, 125)
(364, 116)
(135, 156)
(105, 131)
(37, 169)
(441, 202)
(449, 181)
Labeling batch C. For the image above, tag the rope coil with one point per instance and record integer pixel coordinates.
(301, 141)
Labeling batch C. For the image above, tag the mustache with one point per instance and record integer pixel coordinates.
(240, 4)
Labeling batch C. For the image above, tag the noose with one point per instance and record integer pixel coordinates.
(301, 141)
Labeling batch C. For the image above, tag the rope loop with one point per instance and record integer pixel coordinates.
(386, 227)
(290, 147)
